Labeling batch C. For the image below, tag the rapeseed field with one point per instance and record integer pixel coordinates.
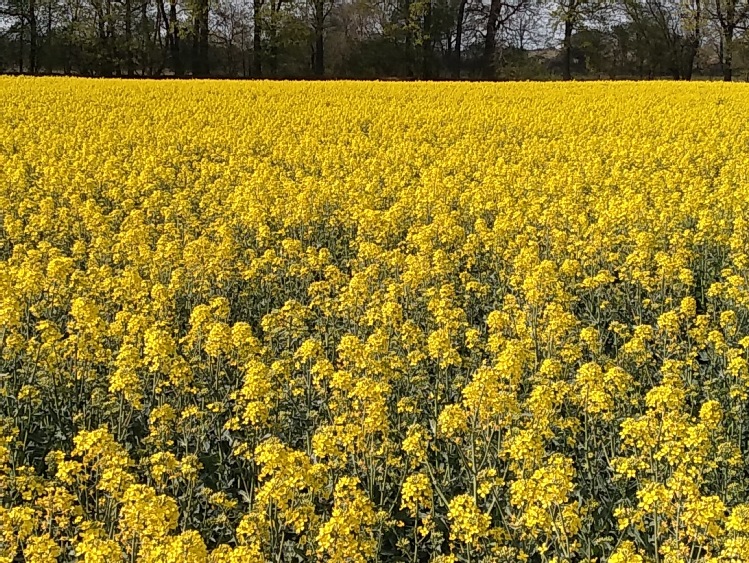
(350, 321)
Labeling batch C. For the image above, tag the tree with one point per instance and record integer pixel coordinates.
(571, 14)
(671, 32)
(459, 21)
(257, 38)
(427, 39)
(200, 12)
(321, 10)
(731, 16)
(500, 13)
(230, 31)
(23, 14)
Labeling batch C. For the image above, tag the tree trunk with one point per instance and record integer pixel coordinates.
(727, 62)
(200, 39)
(459, 39)
(273, 38)
(20, 45)
(408, 42)
(257, 45)
(427, 44)
(694, 44)
(129, 38)
(68, 60)
(567, 48)
(48, 36)
(273, 50)
(173, 40)
(32, 38)
(490, 43)
(101, 67)
(142, 30)
(204, 61)
(689, 63)
(196, 68)
(319, 40)
(245, 66)
(109, 42)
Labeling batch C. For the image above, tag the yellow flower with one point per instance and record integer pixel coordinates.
(452, 421)
(416, 492)
(41, 549)
(415, 444)
(468, 523)
(349, 534)
(626, 553)
(299, 320)
(95, 547)
(711, 414)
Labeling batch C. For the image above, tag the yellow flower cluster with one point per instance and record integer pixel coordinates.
(351, 322)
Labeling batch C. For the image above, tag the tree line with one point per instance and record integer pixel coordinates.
(420, 39)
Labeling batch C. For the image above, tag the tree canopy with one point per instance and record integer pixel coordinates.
(419, 39)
